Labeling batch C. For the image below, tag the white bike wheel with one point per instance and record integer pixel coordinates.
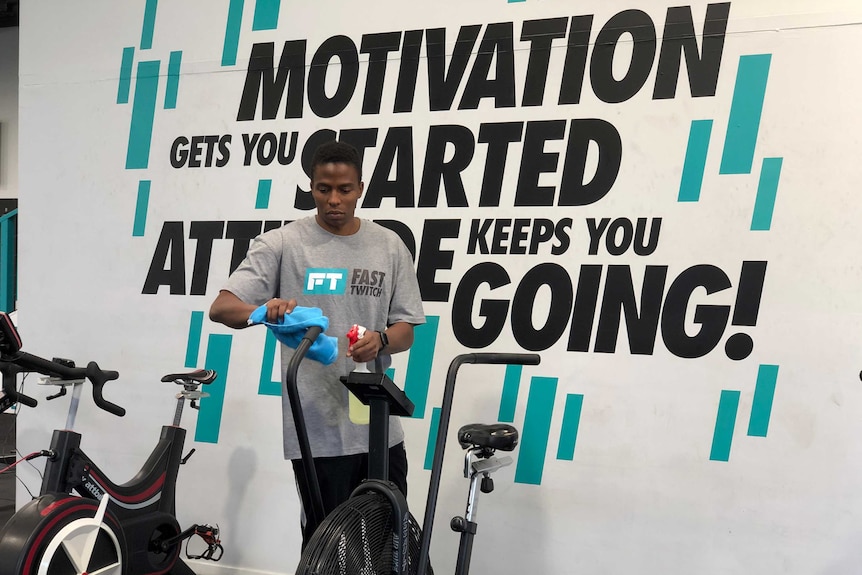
(66, 552)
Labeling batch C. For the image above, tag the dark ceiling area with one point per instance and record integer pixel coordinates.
(8, 13)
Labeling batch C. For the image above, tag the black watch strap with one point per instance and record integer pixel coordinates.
(384, 339)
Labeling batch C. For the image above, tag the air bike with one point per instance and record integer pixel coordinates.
(373, 532)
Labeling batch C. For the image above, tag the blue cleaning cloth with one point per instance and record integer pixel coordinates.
(292, 326)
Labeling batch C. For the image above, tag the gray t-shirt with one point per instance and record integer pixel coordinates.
(366, 278)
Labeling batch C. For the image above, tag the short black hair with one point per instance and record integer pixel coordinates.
(335, 152)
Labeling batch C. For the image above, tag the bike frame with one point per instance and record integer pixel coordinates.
(141, 510)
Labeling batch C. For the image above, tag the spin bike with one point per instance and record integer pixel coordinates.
(107, 528)
(393, 546)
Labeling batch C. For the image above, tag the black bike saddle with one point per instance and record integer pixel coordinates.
(500, 436)
(199, 375)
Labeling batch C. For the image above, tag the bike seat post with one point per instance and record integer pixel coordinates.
(73, 405)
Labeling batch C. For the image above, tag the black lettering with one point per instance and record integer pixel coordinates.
(497, 46)
(575, 65)
(712, 318)
(224, 150)
(432, 258)
(543, 230)
(535, 161)
(261, 77)
(645, 249)
(562, 236)
(436, 172)
(540, 34)
(501, 234)
(397, 149)
(343, 48)
(498, 137)
(477, 238)
(170, 243)
(179, 155)
(408, 71)
(443, 82)
(584, 311)
(195, 152)
(640, 26)
(205, 233)
(679, 37)
(249, 141)
(573, 190)
(619, 297)
(519, 235)
(615, 244)
(560, 284)
(378, 47)
(494, 311)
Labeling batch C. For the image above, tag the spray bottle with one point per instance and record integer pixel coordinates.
(360, 414)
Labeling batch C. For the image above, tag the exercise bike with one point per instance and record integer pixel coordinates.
(373, 532)
(106, 528)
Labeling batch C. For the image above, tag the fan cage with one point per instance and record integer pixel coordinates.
(357, 539)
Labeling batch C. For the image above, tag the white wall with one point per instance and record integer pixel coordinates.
(8, 113)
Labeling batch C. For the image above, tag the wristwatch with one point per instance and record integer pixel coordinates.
(384, 339)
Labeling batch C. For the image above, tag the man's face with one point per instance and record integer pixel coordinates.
(336, 188)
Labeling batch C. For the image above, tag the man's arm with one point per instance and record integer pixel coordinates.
(400, 337)
(230, 310)
(233, 312)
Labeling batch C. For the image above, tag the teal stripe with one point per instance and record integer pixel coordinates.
(141, 208)
(8, 223)
(509, 399)
(695, 161)
(432, 437)
(173, 85)
(767, 189)
(761, 407)
(209, 415)
(745, 111)
(571, 422)
(231, 33)
(266, 14)
(264, 187)
(537, 428)
(725, 421)
(143, 113)
(126, 75)
(193, 347)
(266, 385)
(418, 378)
(149, 25)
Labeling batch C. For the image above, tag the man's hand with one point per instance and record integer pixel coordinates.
(366, 347)
(276, 308)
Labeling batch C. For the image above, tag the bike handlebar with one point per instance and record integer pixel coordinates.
(97, 376)
(13, 396)
(498, 358)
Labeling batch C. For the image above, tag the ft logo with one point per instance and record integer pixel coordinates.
(324, 281)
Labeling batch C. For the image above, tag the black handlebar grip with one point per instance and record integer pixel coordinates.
(10, 372)
(24, 399)
(505, 358)
(99, 377)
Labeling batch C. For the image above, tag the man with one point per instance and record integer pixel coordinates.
(357, 272)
